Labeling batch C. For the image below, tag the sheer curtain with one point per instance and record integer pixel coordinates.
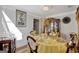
(10, 28)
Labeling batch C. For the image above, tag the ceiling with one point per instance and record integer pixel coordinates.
(38, 9)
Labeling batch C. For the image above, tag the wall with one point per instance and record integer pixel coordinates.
(11, 12)
(1, 28)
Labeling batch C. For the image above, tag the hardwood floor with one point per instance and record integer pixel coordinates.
(23, 49)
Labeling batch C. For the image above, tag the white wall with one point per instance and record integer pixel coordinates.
(1, 28)
(11, 12)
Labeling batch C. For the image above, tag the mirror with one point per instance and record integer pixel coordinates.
(51, 25)
(66, 20)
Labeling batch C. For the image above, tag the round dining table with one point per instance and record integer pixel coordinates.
(50, 45)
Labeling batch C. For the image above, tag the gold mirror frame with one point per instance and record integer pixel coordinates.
(77, 18)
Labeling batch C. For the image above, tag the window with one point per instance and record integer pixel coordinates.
(12, 28)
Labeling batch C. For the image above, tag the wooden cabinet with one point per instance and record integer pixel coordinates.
(10, 44)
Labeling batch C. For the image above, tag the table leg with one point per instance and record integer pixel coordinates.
(1, 46)
(9, 51)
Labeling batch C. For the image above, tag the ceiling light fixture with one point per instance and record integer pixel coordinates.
(45, 8)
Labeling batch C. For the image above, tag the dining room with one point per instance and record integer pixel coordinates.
(39, 28)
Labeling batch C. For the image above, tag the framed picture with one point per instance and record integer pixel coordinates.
(20, 18)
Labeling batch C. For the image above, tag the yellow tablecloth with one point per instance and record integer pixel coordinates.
(50, 46)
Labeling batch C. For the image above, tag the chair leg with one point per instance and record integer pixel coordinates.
(36, 49)
(31, 51)
(67, 51)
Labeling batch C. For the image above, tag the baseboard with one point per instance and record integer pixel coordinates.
(19, 48)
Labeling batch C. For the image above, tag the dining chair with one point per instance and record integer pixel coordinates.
(32, 44)
(71, 46)
(78, 46)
